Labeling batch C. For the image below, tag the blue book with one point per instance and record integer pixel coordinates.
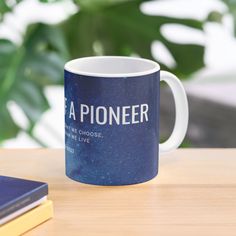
(17, 194)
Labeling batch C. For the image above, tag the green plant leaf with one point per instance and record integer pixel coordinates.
(91, 5)
(120, 28)
(232, 10)
(7, 6)
(26, 70)
(4, 8)
(49, 1)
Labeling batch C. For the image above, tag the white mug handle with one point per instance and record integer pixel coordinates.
(181, 111)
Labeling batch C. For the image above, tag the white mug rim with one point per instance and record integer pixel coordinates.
(71, 66)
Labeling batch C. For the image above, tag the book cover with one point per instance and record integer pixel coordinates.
(17, 193)
(28, 221)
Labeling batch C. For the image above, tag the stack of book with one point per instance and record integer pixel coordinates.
(23, 205)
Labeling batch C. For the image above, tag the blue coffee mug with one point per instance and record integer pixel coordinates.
(112, 119)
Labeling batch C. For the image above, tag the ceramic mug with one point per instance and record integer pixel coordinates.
(112, 119)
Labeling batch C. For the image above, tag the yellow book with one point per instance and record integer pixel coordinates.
(28, 220)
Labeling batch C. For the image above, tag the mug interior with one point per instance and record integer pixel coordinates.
(112, 66)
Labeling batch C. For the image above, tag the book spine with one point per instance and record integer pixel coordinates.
(25, 200)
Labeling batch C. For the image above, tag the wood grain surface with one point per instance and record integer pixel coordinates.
(194, 194)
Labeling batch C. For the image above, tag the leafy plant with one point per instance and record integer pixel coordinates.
(122, 29)
(24, 73)
(107, 27)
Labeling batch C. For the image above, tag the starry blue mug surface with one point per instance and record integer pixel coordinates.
(112, 119)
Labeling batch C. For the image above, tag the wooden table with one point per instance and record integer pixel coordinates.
(194, 194)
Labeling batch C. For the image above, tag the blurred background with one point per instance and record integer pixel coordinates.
(195, 39)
